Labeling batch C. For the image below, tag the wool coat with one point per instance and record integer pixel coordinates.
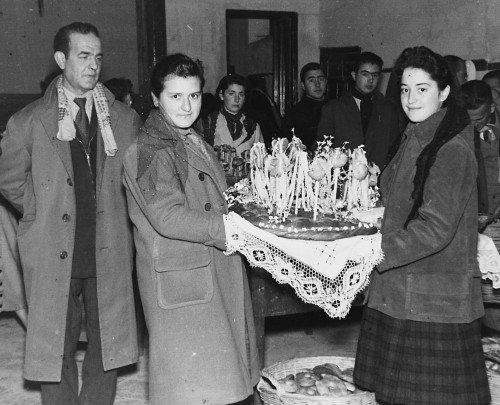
(341, 119)
(196, 299)
(37, 178)
(430, 271)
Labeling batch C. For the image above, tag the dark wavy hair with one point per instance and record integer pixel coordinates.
(176, 64)
(367, 57)
(61, 40)
(454, 121)
(228, 80)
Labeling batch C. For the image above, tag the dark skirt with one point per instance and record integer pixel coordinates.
(409, 362)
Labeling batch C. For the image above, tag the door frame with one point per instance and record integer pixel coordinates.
(285, 49)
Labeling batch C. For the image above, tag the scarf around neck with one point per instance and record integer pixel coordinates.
(365, 107)
(66, 126)
(234, 123)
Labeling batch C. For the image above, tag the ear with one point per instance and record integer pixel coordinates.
(353, 75)
(443, 95)
(302, 86)
(221, 95)
(155, 100)
(60, 59)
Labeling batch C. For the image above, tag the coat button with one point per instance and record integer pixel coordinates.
(63, 255)
(208, 207)
(70, 183)
(201, 176)
(66, 218)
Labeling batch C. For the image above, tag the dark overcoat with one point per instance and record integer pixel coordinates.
(37, 178)
(430, 271)
(341, 119)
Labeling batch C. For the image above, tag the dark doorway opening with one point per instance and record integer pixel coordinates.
(264, 44)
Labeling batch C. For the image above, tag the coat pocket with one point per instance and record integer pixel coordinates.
(184, 280)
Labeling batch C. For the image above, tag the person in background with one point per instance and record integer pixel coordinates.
(458, 69)
(228, 125)
(492, 79)
(302, 120)
(12, 295)
(61, 166)
(202, 346)
(259, 105)
(362, 116)
(478, 101)
(121, 89)
(420, 337)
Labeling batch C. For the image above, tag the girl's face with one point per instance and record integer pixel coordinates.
(233, 98)
(420, 95)
(180, 100)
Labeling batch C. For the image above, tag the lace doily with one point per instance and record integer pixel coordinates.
(489, 260)
(326, 274)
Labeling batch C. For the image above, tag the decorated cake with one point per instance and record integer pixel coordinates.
(295, 197)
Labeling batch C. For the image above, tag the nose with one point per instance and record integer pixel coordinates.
(411, 96)
(236, 98)
(186, 105)
(94, 64)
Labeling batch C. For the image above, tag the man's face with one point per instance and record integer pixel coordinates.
(366, 78)
(481, 116)
(314, 84)
(495, 91)
(82, 66)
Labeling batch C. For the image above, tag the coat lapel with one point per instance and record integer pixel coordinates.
(101, 154)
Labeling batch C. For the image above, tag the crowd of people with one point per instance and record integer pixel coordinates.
(89, 187)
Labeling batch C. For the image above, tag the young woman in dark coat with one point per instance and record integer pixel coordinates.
(420, 340)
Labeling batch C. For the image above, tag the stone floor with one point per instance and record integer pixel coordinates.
(287, 337)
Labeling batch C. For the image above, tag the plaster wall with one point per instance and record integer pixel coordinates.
(198, 28)
(26, 53)
(469, 29)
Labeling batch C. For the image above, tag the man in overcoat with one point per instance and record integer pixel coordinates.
(362, 116)
(61, 166)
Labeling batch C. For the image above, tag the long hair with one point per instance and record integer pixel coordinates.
(454, 121)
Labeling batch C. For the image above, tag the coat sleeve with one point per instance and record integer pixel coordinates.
(448, 189)
(15, 161)
(326, 126)
(168, 211)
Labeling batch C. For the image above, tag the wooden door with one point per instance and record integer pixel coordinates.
(337, 64)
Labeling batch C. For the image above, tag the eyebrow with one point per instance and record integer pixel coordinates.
(89, 53)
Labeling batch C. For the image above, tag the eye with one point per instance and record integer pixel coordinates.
(404, 90)
(176, 96)
(195, 96)
(422, 90)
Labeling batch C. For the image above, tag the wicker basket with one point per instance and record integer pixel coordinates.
(272, 394)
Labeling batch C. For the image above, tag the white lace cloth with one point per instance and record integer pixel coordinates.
(327, 274)
(489, 260)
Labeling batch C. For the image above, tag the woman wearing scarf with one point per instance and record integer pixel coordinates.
(196, 299)
(420, 340)
(228, 125)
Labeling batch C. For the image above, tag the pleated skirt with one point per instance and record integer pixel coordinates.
(411, 362)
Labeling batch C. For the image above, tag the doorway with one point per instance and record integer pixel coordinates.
(263, 44)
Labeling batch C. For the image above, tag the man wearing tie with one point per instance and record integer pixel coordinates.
(61, 167)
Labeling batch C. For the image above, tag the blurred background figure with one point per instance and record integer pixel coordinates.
(458, 69)
(259, 105)
(121, 89)
(228, 125)
(492, 79)
(478, 101)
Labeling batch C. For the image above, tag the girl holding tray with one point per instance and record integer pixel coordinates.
(420, 340)
(196, 299)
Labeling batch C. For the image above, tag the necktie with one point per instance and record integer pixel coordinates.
(81, 120)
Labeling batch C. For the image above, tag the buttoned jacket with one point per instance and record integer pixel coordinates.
(430, 270)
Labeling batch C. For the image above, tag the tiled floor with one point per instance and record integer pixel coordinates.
(286, 337)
